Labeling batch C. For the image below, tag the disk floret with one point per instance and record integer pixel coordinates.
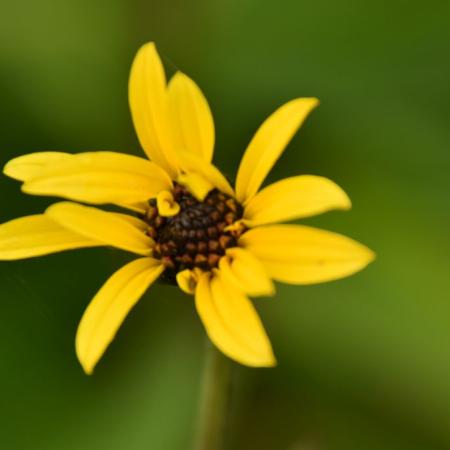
(198, 235)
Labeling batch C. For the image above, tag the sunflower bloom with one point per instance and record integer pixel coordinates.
(182, 218)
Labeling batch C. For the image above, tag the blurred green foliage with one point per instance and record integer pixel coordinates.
(364, 363)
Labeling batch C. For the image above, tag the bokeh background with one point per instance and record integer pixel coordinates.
(364, 363)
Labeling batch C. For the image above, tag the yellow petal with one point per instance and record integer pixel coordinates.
(196, 184)
(100, 177)
(167, 206)
(25, 167)
(268, 144)
(232, 323)
(243, 270)
(110, 306)
(294, 198)
(193, 164)
(138, 207)
(191, 116)
(135, 221)
(149, 103)
(38, 235)
(304, 255)
(101, 226)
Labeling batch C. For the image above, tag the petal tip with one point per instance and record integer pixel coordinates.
(370, 255)
(9, 170)
(367, 256)
(178, 76)
(274, 363)
(339, 199)
(266, 359)
(87, 366)
(311, 102)
(53, 211)
(346, 203)
(148, 46)
(87, 369)
(265, 291)
(271, 361)
(147, 50)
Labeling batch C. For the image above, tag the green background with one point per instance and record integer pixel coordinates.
(364, 363)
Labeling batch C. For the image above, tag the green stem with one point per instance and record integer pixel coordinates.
(214, 401)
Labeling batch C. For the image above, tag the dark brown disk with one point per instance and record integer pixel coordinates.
(196, 236)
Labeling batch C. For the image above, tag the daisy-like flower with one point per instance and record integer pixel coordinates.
(183, 218)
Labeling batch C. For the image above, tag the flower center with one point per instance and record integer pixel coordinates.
(197, 236)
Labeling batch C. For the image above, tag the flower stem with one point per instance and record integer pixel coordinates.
(214, 401)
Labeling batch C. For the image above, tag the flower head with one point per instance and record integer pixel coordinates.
(183, 218)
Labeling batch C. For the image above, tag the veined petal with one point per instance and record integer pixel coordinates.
(303, 255)
(100, 177)
(268, 144)
(149, 103)
(294, 198)
(110, 306)
(193, 164)
(246, 272)
(102, 226)
(38, 235)
(28, 166)
(192, 116)
(232, 323)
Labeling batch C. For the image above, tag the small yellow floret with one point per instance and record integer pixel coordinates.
(187, 280)
(236, 228)
(166, 204)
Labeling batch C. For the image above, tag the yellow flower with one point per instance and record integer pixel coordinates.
(185, 221)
